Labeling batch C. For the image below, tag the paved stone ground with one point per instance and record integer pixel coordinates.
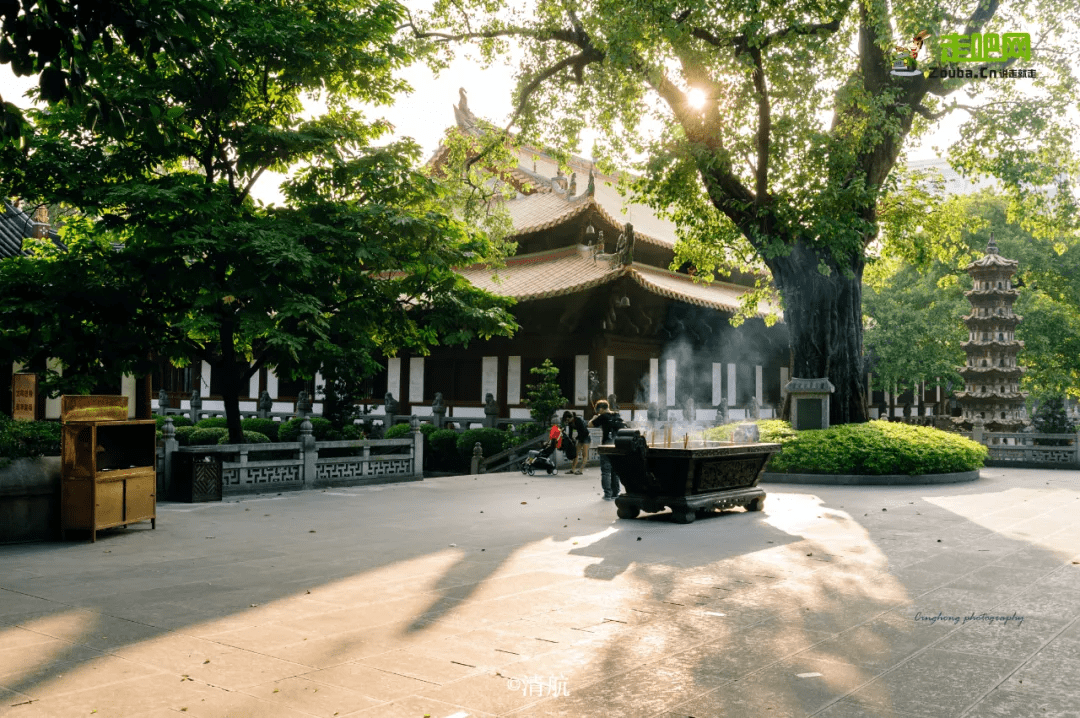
(480, 597)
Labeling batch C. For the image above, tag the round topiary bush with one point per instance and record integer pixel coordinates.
(183, 435)
(250, 437)
(212, 422)
(398, 431)
(268, 427)
(873, 449)
(211, 435)
(444, 451)
(321, 428)
(178, 420)
(352, 432)
(492, 441)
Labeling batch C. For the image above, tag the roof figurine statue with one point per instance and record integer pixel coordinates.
(466, 120)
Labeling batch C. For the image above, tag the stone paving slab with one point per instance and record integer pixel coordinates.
(525, 596)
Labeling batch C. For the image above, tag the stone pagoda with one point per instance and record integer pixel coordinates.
(991, 376)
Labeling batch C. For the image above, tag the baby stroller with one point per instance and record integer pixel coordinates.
(541, 459)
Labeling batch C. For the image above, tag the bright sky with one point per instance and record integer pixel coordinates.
(425, 114)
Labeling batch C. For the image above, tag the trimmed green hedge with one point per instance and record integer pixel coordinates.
(872, 449)
(772, 431)
(183, 435)
(177, 421)
(213, 422)
(268, 427)
(443, 443)
(492, 441)
(28, 439)
(321, 428)
(352, 432)
(211, 435)
(397, 431)
(250, 437)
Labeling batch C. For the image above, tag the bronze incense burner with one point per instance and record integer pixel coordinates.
(687, 476)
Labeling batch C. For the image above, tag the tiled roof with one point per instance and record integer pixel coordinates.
(16, 225)
(714, 295)
(572, 269)
(543, 275)
(647, 226)
(992, 260)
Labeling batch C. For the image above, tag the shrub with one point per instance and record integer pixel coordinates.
(444, 451)
(267, 427)
(875, 448)
(427, 430)
(322, 429)
(250, 437)
(772, 431)
(211, 435)
(1050, 417)
(544, 397)
(352, 432)
(28, 439)
(397, 431)
(213, 422)
(492, 441)
(177, 421)
(183, 435)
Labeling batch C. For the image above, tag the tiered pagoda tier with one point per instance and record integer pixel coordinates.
(991, 375)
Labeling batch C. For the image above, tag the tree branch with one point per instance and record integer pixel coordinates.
(741, 43)
(764, 131)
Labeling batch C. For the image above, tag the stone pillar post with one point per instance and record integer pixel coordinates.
(977, 430)
(418, 447)
(477, 457)
(164, 484)
(196, 406)
(438, 410)
(162, 402)
(309, 452)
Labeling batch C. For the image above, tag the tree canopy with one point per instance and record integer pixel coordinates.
(781, 123)
(174, 255)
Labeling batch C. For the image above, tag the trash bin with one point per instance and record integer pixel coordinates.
(196, 476)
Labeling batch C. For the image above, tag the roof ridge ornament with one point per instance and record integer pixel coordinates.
(464, 117)
(590, 191)
(991, 246)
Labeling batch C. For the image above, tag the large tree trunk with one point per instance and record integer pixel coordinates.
(824, 318)
(230, 394)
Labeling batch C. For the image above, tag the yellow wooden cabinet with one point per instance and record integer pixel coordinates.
(109, 473)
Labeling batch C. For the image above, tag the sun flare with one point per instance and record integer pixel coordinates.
(696, 98)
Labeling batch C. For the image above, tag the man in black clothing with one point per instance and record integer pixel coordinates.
(609, 422)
